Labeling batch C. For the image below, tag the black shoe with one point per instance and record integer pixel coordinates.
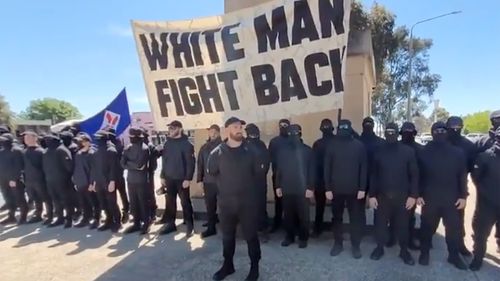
(145, 228)
(336, 250)
(47, 221)
(105, 226)
(209, 232)
(391, 242)
(167, 229)
(475, 265)
(8, 220)
(133, 228)
(68, 224)
(406, 257)
(226, 270)
(77, 215)
(57, 222)
(457, 262)
(94, 224)
(163, 220)
(356, 252)
(82, 223)
(377, 253)
(115, 227)
(424, 258)
(253, 275)
(287, 242)
(302, 244)
(21, 221)
(35, 219)
(189, 230)
(412, 245)
(125, 217)
(205, 224)
(464, 251)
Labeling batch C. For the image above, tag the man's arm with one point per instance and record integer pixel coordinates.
(200, 169)
(363, 169)
(414, 174)
(65, 158)
(213, 162)
(189, 159)
(327, 166)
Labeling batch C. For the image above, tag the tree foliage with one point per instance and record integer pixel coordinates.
(50, 108)
(439, 114)
(478, 122)
(6, 115)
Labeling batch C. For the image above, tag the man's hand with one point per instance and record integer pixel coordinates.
(461, 204)
(111, 186)
(185, 184)
(329, 195)
(92, 188)
(420, 201)
(12, 184)
(373, 203)
(361, 194)
(279, 192)
(410, 203)
(309, 194)
(163, 182)
(201, 185)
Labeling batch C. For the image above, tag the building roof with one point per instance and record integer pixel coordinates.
(24, 122)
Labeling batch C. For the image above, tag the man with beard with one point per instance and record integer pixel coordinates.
(345, 182)
(58, 168)
(274, 146)
(11, 165)
(120, 181)
(455, 125)
(295, 181)
(393, 191)
(408, 133)
(235, 166)
(486, 175)
(34, 178)
(263, 158)
(82, 173)
(135, 160)
(154, 154)
(319, 149)
(104, 176)
(208, 182)
(443, 192)
(176, 174)
(484, 144)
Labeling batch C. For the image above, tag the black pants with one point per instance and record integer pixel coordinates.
(391, 208)
(107, 202)
(151, 195)
(296, 216)
(210, 190)
(432, 213)
(278, 205)
(497, 231)
(231, 212)
(14, 198)
(62, 198)
(41, 196)
(355, 209)
(262, 204)
(486, 215)
(320, 198)
(412, 232)
(121, 187)
(89, 204)
(174, 188)
(139, 195)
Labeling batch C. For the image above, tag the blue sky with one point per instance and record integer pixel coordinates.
(83, 51)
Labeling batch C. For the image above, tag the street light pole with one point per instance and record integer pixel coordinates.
(410, 50)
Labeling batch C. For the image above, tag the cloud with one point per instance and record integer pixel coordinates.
(119, 31)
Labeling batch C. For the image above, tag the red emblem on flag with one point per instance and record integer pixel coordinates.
(110, 121)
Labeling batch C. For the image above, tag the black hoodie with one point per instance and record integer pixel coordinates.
(467, 147)
(319, 148)
(135, 160)
(203, 154)
(486, 175)
(274, 146)
(104, 164)
(11, 162)
(33, 165)
(178, 159)
(82, 172)
(263, 158)
(57, 163)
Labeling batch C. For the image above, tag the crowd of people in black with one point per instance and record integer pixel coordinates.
(74, 177)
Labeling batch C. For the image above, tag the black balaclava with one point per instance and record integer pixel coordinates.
(41, 140)
(344, 129)
(408, 133)
(294, 134)
(368, 125)
(391, 133)
(67, 138)
(496, 146)
(454, 126)
(326, 127)
(495, 119)
(439, 132)
(135, 136)
(52, 141)
(7, 140)
(101, 140)
(253, 132)
(283, 126)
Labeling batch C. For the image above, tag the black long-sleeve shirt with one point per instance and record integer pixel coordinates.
(443, 173)
(203, 154)
(394, 172)
(296, 168)
(33, 165)
(263, 158)
(83, 165)
(57, 164)
(11, 164)
(135, 160)
(104, 165)
(468, 148)
(319, 149)
(274, 146)
(178, 159)
(486, 176)
(346, 166)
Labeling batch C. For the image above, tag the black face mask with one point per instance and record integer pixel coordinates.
(52, 143)
(102, 142)
(253, 137)
(344, 133)
(391, 138)
(454, 133)
(439, 137)
(496, 123)
(327, 132)
(135, 140)
(284, 131)
(67, 141)
(408, 137)
(368, 128)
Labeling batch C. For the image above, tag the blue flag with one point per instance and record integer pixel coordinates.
(115, 116)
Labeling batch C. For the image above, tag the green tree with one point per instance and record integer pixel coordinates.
(439, 114)
(6, 115)
(391, 55)
(50, 108)
(478, 122)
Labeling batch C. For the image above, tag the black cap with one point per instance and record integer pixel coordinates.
(214, 127)
(326, 124)
(175, 124)
(439, 125)
(101, 134)
(51, 136)
(135, 132)
(82, 136)
(7, 137)
(294, 129)
(368, 120)
(345, 124)
(495, 114)
(29, 133)
(145, 132)
(392, 126)
(408, 127)
(66, 134)
(286, 121)
(252, 129)
(231, 121)
(455, 121)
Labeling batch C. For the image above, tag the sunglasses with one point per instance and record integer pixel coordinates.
(344, 127)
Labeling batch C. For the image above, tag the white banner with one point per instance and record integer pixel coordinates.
(271, 61)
